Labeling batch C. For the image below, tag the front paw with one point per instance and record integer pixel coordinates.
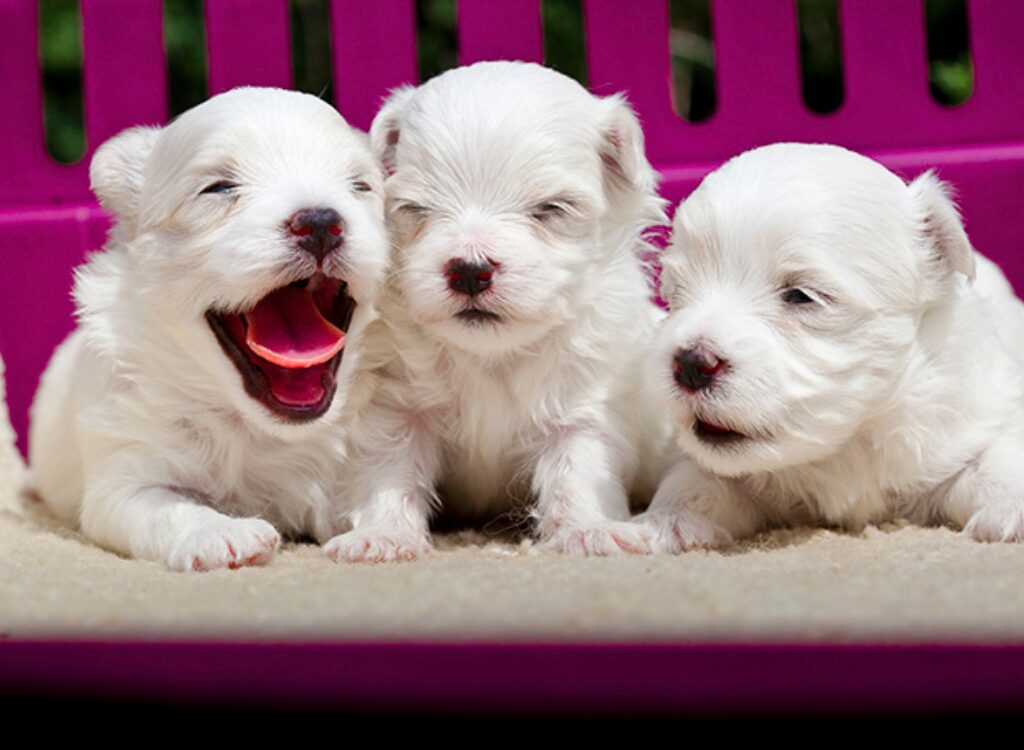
(998, 522)
(225, 543)
(599, 539)
(683, 530)
(377, 544)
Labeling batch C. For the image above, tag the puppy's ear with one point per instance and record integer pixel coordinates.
(387, 126)
(630, 181)
(941, 225)
(116, 171)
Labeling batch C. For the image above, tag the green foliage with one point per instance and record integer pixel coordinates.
(60, 52)
(564, 47)
(821, 66)
(693, 59)
(950, 71)
(185, 45)
(311, 48)
(436, 43)
(952, 81)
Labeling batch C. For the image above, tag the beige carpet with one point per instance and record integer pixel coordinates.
(897, 582)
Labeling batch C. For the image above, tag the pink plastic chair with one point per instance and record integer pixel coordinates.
(48, 218)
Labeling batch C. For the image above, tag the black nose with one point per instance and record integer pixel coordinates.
(320, 230)
(695, 368)
(468, 278)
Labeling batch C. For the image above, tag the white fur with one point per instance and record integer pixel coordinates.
(897, 391)
(540, 414)
(142, 430)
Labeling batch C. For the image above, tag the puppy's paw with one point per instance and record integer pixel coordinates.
(377, 544)
(683, 530)
(599, 539)
(227, 543)
(998, 522)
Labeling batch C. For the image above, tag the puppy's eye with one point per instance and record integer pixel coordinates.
(551, 210)
(221, 186)
(361, 186)
(797, 297)
(415, 210)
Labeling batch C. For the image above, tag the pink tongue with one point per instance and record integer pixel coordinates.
(287, 329)
(297, 387)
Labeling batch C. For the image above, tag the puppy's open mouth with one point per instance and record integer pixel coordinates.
(716, 434)
(476, 316)
(287, 348)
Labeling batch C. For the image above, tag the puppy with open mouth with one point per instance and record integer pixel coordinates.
(518, 311)
(199, 408)
(836, 353)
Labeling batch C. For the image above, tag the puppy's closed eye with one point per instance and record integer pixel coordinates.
(411, 210)
(553, 209)
(796, 296)
(409, 219)
(804, 298)
(219, 187)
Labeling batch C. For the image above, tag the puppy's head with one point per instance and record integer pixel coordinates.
(253, 228)
(797, 278)
(510, 185)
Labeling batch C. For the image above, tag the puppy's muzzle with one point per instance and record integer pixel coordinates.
(696, 368)
(320, 231)
(468, 278)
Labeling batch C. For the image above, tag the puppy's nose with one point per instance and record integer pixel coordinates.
(320, 230)
(695, 368)
(468, 278)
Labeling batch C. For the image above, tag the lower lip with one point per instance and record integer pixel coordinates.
(254, 379)
(716, 435)
(254, 370)
(477, 316)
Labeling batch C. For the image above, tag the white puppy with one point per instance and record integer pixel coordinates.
(196, 407)
(518, 314)
(837, 353)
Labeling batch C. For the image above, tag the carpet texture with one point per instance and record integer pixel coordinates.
(897, 582)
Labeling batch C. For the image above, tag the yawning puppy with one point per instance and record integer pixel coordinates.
(518, 312)
(197, 406)
(837, 353)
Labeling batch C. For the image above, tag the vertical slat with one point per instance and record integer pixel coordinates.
(507, 30)
(996, 47)
(885, 63)
(248, 43)
(757, 66)
(627, 50)
(22, 145)
(124, 73)
(374, 49)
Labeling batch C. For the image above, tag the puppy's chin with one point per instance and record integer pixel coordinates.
(489, 335)
(727, 448)
(723, 449)
(735, 458)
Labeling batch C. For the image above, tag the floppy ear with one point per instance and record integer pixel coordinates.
(116, 171)
(941, 225)
(630, 181)
(387, 126)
